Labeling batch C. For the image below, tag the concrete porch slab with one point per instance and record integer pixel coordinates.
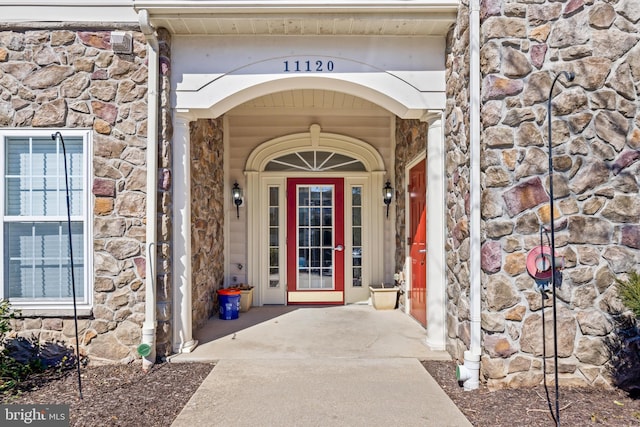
(320, 392)
(352, 331)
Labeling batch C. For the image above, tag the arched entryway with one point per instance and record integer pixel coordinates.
(319, 218)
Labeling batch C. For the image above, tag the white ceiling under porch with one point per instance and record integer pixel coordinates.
(303, 17)
(295, 101)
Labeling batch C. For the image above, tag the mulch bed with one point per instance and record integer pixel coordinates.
(123, 395)
(529, 407)
(117, 395)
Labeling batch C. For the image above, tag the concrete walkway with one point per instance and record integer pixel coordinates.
(321, 366)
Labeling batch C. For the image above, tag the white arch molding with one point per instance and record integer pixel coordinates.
(257, 184)
(212, 98)
(314, 139)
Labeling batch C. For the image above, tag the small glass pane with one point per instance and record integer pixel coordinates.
(17, 199)
(357, 236)
(315, 196)
(314, 261)
(357, 277)
(273, 196)
(273, 217)
(303, 196)
(357, 216)
(303, 217)
(273, 256)
(327, 197)
(17, 156)
(315, 216)
(303, 258)
(357, 260)
(327, 237)
(273, 237)
(303, 237)
(327, 217)
(315, 237)
(327, 257)
(356, 196)
(308, 157)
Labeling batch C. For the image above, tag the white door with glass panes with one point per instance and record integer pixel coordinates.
(315, 241)
(322, 225)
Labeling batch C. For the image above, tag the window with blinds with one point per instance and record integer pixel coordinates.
(35, 259)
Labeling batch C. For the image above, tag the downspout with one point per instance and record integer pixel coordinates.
(470, 371)
(148, 347)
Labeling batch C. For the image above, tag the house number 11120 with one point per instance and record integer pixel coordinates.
(307, 66)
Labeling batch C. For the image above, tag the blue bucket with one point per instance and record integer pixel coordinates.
(229, 301)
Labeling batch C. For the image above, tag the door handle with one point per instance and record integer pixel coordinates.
(339, 248)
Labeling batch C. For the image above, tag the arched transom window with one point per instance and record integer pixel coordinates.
(315, 161)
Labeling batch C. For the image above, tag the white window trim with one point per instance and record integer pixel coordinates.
(57, 308)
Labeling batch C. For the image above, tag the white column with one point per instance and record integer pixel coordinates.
(436, 228)
(183, 341)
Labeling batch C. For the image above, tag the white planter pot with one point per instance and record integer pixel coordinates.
(384, 298)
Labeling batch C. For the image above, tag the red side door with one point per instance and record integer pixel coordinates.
(418, 241)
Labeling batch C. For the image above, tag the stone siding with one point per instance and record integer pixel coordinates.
(411, 141)
(456, 129)
(596, 148)
(207, 217)
(72, 79)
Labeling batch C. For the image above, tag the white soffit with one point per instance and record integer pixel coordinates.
(251, 17)
(306, 25)
(310, 17)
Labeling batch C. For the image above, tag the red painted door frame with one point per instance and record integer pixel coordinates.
(292, 238)
(418, 232)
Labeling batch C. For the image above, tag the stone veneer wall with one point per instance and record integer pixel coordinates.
(596, 139)
(72, 79)
(207, 217)
(164, 284)
(411, 141)
(456, 129)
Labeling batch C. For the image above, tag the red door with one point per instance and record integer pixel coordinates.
(418, 242)
(315, 241)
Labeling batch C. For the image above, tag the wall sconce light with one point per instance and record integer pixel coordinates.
(236, 193)
(387, 195)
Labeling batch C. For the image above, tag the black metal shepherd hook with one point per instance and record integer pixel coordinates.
(58, 136)
(569, 76)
